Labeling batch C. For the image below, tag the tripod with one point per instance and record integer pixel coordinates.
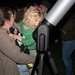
(43, 54)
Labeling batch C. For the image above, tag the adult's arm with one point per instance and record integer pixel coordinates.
(8, 47)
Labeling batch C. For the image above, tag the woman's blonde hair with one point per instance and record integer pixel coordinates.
(33, 16)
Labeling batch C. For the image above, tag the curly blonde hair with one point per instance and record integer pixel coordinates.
(33, 16)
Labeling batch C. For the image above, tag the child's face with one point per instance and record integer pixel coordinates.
(33, 20)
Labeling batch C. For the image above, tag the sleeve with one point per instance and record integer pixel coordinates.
(12, 51)
(28, 40)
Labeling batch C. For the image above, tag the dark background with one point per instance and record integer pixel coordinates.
(56, 52)
(22, 3)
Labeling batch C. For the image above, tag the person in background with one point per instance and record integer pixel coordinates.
(10, 53)
(68, 41)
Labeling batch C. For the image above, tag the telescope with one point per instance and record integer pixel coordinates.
(43, 35)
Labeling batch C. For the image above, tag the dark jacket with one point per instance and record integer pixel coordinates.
(68, 30)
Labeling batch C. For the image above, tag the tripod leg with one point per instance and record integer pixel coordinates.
(35, 64)
(41, 63)
(52, 64)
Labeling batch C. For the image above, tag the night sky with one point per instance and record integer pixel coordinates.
(21, 3)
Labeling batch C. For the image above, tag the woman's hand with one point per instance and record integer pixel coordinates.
(14, 36)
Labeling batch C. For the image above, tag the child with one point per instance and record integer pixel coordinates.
(33, 16)
(15, 33)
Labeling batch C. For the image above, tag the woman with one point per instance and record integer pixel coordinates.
(10, 53)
